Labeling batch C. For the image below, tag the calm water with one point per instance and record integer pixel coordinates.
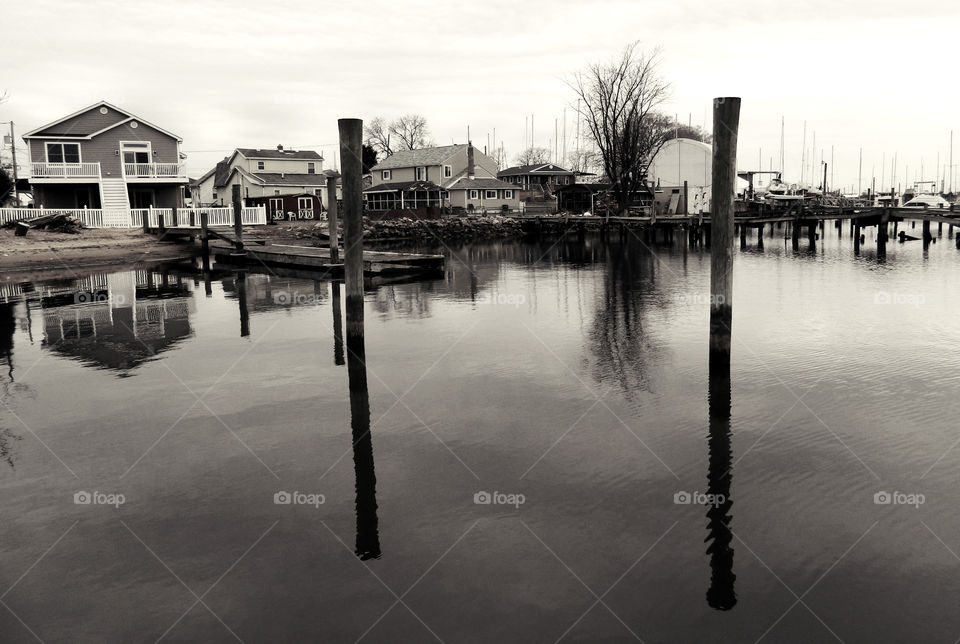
(569, 378)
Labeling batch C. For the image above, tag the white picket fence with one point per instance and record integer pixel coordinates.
(133, 218)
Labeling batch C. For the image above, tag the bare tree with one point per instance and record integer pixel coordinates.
(378, 136)
(533, 155)
(410, 132)
(584, 160)
(618, 102)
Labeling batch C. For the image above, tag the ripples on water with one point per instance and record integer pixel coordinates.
(570, 372)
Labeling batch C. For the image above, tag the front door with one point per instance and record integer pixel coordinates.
(136, 157)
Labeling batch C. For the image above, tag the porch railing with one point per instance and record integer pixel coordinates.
(153, 170)
(43, 170)
(133, 218)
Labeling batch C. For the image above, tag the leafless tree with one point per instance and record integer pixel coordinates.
(533, 155)
(377, 133)
(618, 102)
(410, 132)
(584, 160)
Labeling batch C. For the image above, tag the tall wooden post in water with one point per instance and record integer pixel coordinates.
(333, 224)
(351, 133)
(368, 540)
(726, 121)
(238, 217)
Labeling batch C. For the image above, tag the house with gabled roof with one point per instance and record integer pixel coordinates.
(105, 157)
(426, 181)
(264, 176)
(537, 177)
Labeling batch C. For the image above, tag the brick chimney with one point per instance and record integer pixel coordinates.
(471, 169)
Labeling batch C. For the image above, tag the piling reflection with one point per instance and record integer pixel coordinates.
(368, 537)
(720, 595)
(8, 325)
(244, 311)
(337, 325)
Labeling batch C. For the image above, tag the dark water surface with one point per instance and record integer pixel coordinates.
(569, 378)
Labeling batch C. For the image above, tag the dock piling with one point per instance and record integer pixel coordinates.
(726, 121)
(333, 223)
(238, 217)
(351, 134)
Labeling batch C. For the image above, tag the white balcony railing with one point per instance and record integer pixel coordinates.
(153, 170)
(133, 217)
(65, 170)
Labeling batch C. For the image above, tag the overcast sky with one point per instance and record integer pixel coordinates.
(227, 74)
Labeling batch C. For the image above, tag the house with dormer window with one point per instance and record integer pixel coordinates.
(105, 157)
(427, 181)
(265, 177)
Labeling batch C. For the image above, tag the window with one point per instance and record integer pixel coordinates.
(311, 168)
(63, 152)
(508, 194)
(214, 196)
(276, 192)
(447, 171)
(421, 174)
(318, 192)
(385, 175)
(491, 194)
(260, 165)
(473, 194)
(246, 190)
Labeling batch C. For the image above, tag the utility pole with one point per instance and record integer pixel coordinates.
(13, 152)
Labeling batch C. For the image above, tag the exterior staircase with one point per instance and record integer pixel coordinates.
(114, 201)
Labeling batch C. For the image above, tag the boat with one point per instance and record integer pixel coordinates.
(927, 201)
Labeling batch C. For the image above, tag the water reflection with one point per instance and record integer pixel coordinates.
(116, 321)
(337, 325)
(368, 537)
(720, 595)
(8, 324)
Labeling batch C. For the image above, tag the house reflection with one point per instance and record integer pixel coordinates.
(116, 321)
(263, 292)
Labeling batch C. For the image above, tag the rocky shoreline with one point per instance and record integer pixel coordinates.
(446, 229)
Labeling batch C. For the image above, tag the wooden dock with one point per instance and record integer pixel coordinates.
(375, 263)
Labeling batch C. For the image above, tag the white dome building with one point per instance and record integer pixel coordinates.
(682, 160)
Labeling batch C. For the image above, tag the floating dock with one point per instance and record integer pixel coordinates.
(375, 263)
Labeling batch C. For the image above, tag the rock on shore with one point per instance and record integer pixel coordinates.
(448, 228)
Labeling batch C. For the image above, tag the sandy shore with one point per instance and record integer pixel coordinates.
(41, 251)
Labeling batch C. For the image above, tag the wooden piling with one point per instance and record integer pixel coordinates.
(926, 232)
(368, 541)
(726, 122)
(795, 234)
(337, 325)
(204, 240)
(333, 223)
(174, 218)
(161, 228)
(351, 136)
(238, 217)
